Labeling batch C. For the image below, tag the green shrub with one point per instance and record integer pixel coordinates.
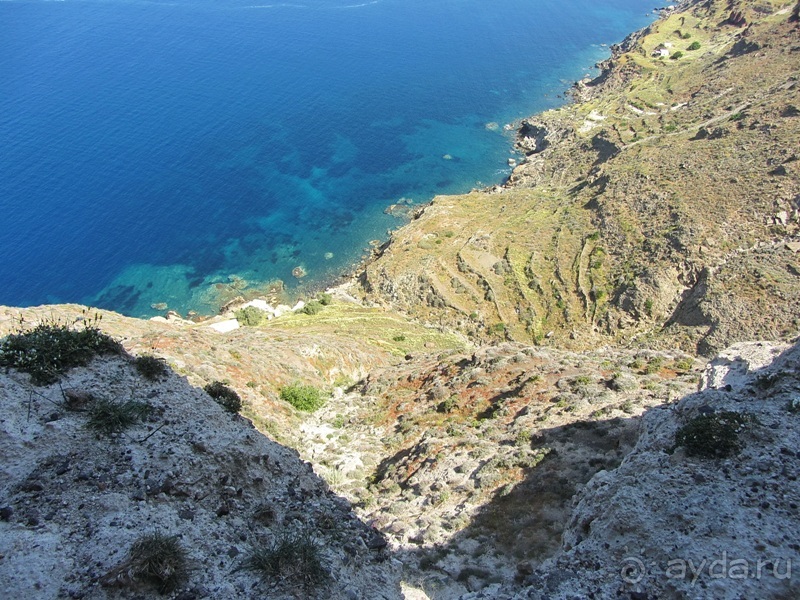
(399, 338)
(158, 559)
(225, 396)
(637, 363)
(448, 405)
(312, 308)
(580, 381)
(530, 460)
(52, 348)
(150, 367)
(676, 55)
(303, 397)
(250, 316)
(623, 382)
(107, 416)
(713, 436)
(325, 299)
(497, 329)
(695, 45)
(294, 558)
(523, 438)
(654, 365)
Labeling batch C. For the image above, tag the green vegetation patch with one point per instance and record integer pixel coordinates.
(250, 316)
(449, 405)
(52, 348)
(312, 308)
(654, 365)
(306, 398)
(224, 396)
(714, 435)
(497, 329)
(295, 558)
(158, 559)
(150, 367)
(371, 326)
(108, 416)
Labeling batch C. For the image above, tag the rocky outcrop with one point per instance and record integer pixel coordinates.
(737, 19)
(532, 137)
(74, 500)
(723, 303)
(672, 523)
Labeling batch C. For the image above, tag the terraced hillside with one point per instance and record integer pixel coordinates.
(660, 206)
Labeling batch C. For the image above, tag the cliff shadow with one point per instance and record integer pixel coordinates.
(522, 522)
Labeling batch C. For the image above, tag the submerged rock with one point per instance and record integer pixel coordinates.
(399, 210)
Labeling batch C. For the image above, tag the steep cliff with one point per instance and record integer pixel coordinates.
(119, 484)
(509, 406)
(706, 505)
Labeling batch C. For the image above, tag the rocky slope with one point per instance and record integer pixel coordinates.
(76, 500)
(505, 472)
(468, 462)
(669, 524)
(340, 345)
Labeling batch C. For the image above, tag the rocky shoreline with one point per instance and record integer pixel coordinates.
(352, 275)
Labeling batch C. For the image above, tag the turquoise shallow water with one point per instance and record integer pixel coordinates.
(180, 152)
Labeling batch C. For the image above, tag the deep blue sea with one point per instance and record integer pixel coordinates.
(179, 152)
